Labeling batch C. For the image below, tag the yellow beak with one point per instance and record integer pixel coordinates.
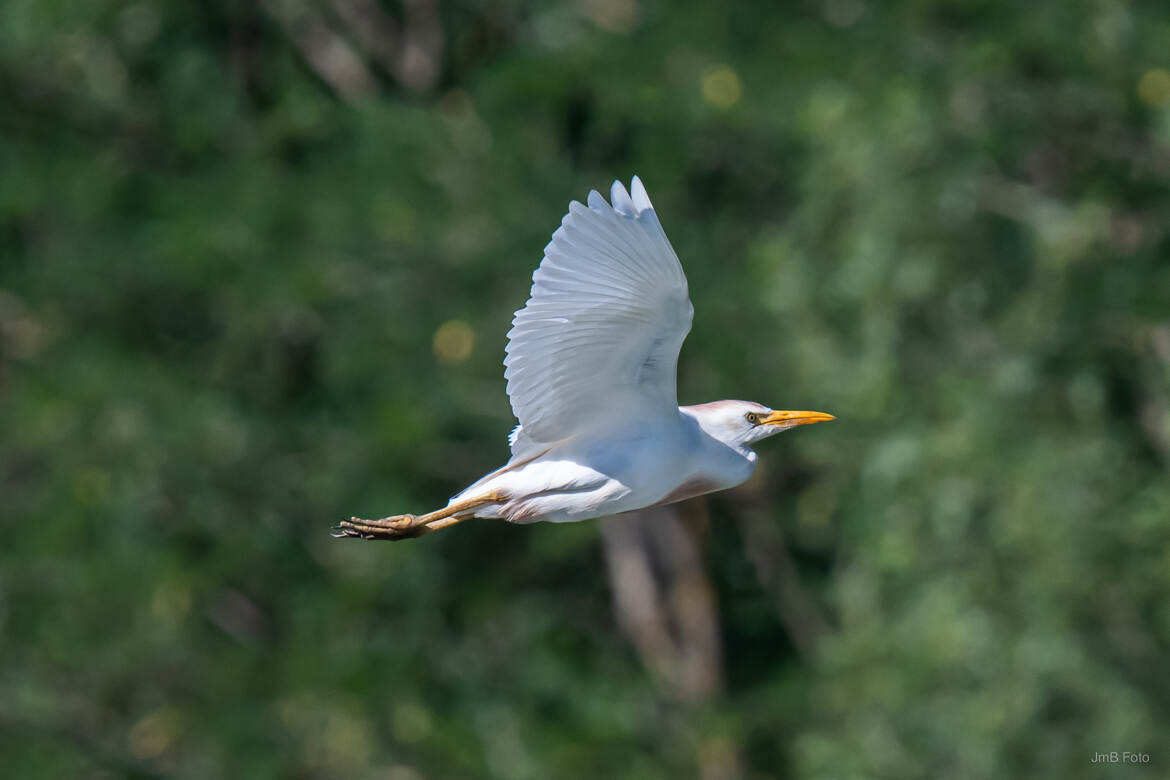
(792, 419)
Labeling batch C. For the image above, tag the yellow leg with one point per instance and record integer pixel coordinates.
(409, 526)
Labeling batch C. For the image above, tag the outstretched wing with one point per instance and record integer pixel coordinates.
(598, 340)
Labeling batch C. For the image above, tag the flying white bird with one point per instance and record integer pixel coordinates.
(590, 365)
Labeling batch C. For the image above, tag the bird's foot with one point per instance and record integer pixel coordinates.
(389, 528)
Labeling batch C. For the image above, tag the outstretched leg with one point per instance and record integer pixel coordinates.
(409, 526)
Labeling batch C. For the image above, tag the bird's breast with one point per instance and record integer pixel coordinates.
(695, 486)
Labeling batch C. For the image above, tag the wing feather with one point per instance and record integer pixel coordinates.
(600, 335)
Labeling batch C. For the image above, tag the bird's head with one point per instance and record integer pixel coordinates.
(743, 423)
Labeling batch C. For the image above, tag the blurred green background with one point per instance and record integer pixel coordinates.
(257, 261)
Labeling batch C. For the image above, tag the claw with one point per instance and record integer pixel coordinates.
(346, 530)
(388, 528)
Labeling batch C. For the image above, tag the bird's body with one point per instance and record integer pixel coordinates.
(608, 472)
(590, 365)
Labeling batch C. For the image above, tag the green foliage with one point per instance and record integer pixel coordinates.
(220, 288)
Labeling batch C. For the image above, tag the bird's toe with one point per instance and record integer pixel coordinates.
(347, 529)
(391, 528)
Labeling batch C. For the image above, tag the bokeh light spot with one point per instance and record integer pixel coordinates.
(615, 16)
(721, 87)
(170, 602)
(454, 341)
(154, 734)
(1154, 87)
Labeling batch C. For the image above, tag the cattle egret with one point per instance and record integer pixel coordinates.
(590, 366)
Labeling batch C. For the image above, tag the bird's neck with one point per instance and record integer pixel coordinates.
(709, 420)
(726, 463)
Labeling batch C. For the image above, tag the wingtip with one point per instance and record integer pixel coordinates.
(622, 203)
(638, 191)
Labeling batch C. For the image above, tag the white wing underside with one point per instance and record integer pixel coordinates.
(598, 340)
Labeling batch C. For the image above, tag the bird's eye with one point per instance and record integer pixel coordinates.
(752, 417)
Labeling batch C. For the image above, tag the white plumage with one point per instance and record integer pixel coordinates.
(591, 364)
(607, 315)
